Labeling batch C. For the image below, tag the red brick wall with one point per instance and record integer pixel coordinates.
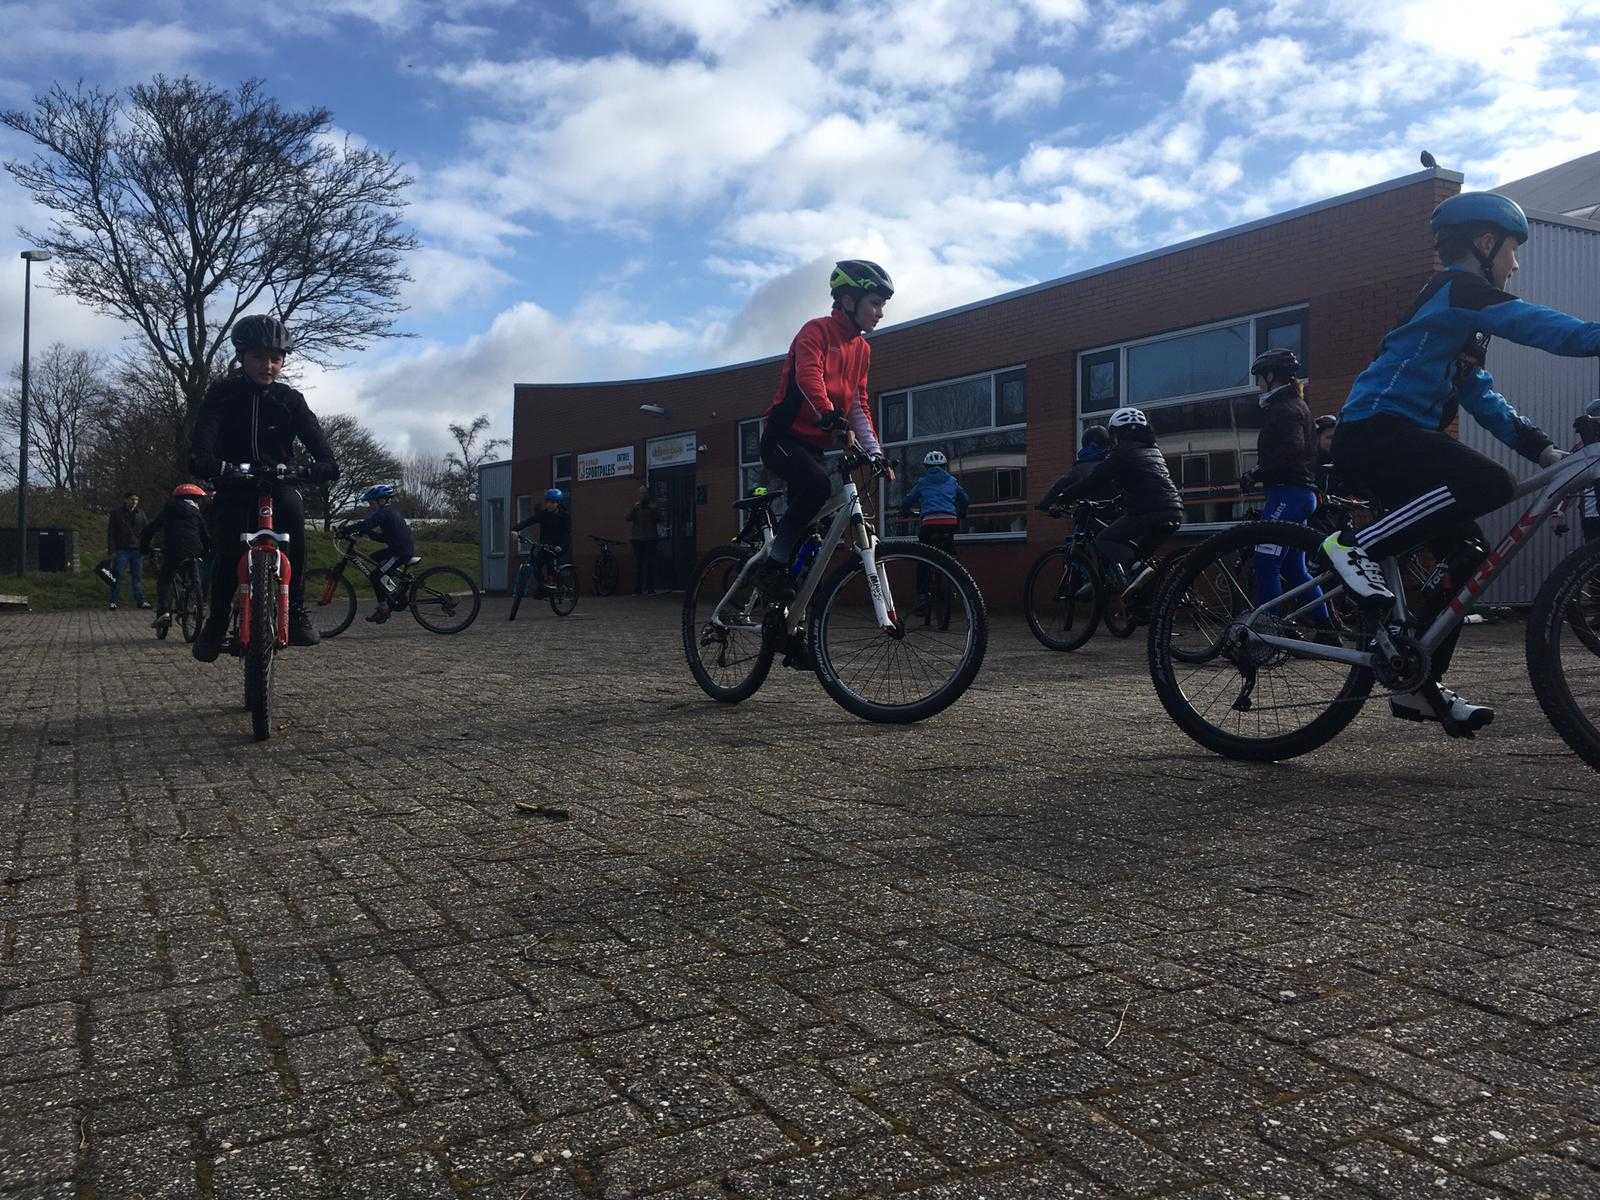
(1356, 266)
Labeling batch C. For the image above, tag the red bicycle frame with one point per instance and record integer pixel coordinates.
(265, 540)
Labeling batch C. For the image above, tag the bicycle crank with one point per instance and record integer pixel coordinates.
(1400, 662)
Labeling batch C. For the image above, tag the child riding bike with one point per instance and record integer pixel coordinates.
(385, 523)
(1391, 438)
(555, 527)
(944, 505)
(249, 417)
(183, 536)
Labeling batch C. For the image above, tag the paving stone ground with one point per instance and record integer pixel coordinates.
(1041, 946)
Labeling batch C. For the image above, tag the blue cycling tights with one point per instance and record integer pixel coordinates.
(1279, 568)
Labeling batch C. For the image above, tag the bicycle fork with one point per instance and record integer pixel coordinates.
(263, 547)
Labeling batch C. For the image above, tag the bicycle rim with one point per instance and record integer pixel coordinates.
(1062, 598)
(564, 591)
(1563, 664)
(444, 600)
(730, 661)
(1231, 693)
(915, 670)
(330, 601)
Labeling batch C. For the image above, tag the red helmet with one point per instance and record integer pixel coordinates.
(192, 490)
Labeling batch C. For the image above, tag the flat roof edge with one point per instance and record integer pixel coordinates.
(1546, 218)
(1376, 189)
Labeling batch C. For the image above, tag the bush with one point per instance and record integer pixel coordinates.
(457, 529)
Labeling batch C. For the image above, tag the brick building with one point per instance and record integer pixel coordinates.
(1005, 385)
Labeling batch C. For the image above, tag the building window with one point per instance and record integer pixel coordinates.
(524, 508)
(561, 469)
(980, 425)
(497, 527)
(1195, 387)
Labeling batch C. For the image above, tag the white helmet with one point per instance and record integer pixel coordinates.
(1127, 418)
(934, 458)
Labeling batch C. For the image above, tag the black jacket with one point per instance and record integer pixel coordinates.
(1286, 445)
(240, 422)
(388, 526)
(183, 529)
(1139, 473)
(555, 528)
(124, 528)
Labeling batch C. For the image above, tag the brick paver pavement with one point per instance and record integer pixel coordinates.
(1041, 946)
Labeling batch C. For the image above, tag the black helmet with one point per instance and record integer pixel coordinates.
(860, 276)
(1097, 435)
(259, 331)
(1280, 361)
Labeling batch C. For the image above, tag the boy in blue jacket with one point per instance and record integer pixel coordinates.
(944, 504)
(385, 524)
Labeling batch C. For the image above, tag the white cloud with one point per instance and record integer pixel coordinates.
(1026, 88)
(1221, 26)
(1126, 24)
(442, 281)
(75, 33)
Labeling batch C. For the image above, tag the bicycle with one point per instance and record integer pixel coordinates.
(845, 627)
(1318, 673)
(442, 599)
(543, 570)
(605, 566)
(190, 598)
(1067, 591)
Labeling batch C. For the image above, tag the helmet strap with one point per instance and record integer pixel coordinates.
(851, 311)
(1486, 261)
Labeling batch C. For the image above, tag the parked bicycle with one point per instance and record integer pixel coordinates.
(542, 573)
(605, 566)
(190, 600)
(846, 627)
(1272, 681)
(442, 599)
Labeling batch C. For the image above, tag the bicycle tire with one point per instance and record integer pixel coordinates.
(564, 590)
(974, 647)
(448, 592)
(717, 571)
(259, 656)
(605, 574)
(1120, 618)
(1053, 566)
(1583, 614)
(1231, 545)
(162, 629)
(191, 605)
(524, 573)
(330, 601)
(1551, 614)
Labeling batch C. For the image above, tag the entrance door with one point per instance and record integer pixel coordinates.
(674, 488)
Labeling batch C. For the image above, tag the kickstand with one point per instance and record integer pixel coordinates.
(1244, 701)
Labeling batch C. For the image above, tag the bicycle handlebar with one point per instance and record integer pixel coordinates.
(267, 472)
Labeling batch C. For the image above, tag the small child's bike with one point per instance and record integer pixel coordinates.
(442, 599)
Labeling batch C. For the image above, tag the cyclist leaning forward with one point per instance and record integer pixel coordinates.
(822, 397)
(1391, 437)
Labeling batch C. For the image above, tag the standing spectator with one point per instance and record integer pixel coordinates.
(645, 516)
(123, 533)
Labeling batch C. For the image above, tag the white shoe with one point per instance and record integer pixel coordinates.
(1359, 572)
(112, 606)
(1414, 706)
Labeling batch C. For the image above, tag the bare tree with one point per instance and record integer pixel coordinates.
(67, 398)
(420, 490)
(362, 460)
(139, 446)
(179, 207)
(460, 479)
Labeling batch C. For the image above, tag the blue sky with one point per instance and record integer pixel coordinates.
(619, 187)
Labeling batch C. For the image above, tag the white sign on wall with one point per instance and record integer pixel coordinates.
(671, 451)
(605, 464)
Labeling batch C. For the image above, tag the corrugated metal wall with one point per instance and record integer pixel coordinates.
(1560, 268)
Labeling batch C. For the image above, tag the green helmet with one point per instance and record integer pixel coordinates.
(860, 276)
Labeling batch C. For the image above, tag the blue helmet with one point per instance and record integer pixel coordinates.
(553, 494)
(379, 491)
(1481, 208)
(1592, 409)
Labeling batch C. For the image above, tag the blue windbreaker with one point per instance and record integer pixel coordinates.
(1431, 363)
(939, 494)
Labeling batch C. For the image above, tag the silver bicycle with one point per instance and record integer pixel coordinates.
(1269, 681)
(870, 655)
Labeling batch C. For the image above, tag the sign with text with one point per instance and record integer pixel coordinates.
(671, 451)
(605, 464)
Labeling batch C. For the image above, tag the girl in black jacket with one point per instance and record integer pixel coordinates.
(183, 536)
(1286, 452)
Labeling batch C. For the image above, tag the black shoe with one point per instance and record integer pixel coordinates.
(301, 631)
(379, 616)
(212, 634)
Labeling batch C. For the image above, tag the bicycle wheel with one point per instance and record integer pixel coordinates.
(524, 576)
(191, 603)
(262, 651)
(1566, 670)
(728, 661)
(1063, 599)
(564, 590)
(605, 574)
(331, 601)
(1583, 614)
(162, 628)
(1234, 694)
(444, 600)
(1121, 616)
(912, 671)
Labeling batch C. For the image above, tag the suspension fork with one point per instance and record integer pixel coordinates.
(877, 575)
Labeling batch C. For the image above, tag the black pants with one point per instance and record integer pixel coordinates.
(388, 561)
(1135, 535)
(1434, 489)
(234, 515)
(806, 481)
(644, 565)
(1591, 528)
(172, 561)
(940, 537)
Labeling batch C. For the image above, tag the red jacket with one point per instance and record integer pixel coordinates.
(826, 370)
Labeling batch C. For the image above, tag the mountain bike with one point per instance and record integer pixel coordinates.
(190, 597)
(605, 566)
(544, 574)
(1070, 590)
(442, 599)
(1271, 681)
(847, 627)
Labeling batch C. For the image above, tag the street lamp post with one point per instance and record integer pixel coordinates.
(29, 257)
